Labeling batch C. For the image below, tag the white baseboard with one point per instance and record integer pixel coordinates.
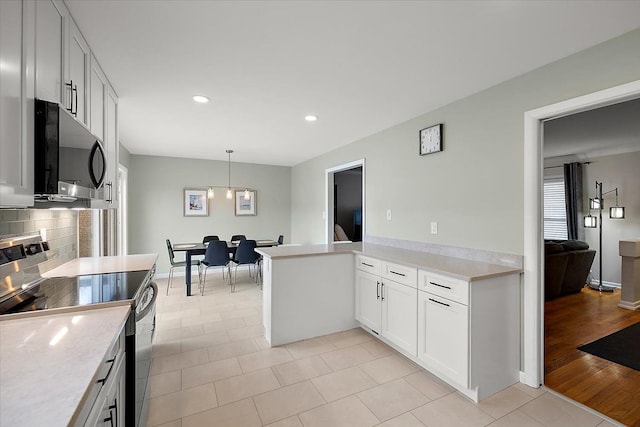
(629, 305)
(605, 283)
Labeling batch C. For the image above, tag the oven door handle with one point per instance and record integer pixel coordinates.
(150, 304)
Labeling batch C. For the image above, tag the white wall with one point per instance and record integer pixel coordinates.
(474, 188)
(156, 187)
(621, 171)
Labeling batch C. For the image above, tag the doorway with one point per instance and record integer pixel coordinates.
(345, 202)
(533, 303)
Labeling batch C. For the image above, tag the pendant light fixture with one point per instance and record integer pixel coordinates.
(247, 196)
(229, 192)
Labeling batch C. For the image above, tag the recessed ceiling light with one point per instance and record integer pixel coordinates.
(311, 118)
(200, 99)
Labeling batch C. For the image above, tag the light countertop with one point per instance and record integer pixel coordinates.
(103, 264)
(48, 363)
(455, 267)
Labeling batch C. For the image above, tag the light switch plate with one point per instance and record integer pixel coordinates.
(389, 214)
(434, 227)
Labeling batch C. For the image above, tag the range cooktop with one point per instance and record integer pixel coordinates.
(74, 291)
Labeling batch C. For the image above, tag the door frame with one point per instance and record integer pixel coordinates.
(328, 197)
(533, 302)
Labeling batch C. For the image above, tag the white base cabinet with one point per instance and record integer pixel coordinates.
(443, 331)
(466, 333)
(469, 332)
(386, 306)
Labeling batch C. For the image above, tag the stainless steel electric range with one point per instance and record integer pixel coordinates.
(22, 289)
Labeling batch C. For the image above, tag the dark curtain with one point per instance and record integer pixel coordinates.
(573, 197)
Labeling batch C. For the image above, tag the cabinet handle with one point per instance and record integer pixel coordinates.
(368, 265)
(399, 274)
(382, 291)
(104, 380)
(378, 290)
(70, 84)
(109, 418)
(438, 284)
(438, 302)
(115, 406)
(110, 197)
(75, 112)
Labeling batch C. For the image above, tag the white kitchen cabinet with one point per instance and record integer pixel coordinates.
(111, 146)
(106, 404)
(16, 139)
(387, 307)
(443, 336)
(469, 332)
(50, 49)
(76, 88)
(98, 84)
(399, 315)
(368, 310)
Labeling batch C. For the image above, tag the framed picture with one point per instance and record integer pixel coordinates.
(196, 202)
(244, 205)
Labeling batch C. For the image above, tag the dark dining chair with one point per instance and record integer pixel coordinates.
(280, 239)
(207, 239)
(245, 255)
(178, 264)
(216, 255)
(238, 237)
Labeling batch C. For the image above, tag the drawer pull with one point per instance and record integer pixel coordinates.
(368, 265)
(104, 380)
(438, 302)
(399, 274)
(438, 284)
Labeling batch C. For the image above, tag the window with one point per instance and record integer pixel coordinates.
(555, 214)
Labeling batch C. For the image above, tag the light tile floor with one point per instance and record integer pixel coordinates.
(212, 367)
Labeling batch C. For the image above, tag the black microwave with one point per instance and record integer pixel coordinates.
(70, 162)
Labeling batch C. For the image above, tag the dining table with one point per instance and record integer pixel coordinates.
(190, 249)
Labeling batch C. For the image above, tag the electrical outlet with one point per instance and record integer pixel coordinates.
(324, 215)
(434, 227)
(389, 214)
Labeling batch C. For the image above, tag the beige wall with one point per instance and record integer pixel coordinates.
(156, 187)
(474, 188)
(621, 171)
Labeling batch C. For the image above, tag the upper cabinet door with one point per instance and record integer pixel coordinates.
(50, 36)
(16, 150)
(77, 82)
(111, 144)
(98, 93)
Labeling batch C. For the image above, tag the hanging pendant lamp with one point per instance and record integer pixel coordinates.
(229, 192)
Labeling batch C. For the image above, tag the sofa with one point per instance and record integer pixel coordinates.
(567, 264)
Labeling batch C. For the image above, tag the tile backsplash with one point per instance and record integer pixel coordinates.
(61, 227)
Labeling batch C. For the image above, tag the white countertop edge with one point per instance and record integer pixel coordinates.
(392, 254)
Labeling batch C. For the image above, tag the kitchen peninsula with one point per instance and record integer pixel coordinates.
(456, 317)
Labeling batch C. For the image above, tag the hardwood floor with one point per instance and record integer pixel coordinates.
(607, 387)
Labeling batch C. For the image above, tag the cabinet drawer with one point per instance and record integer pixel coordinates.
(446, 287)
(400, 273)
(368, 264)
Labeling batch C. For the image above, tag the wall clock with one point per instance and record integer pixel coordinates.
(431, 139)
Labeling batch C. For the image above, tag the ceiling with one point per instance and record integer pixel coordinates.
(360, 66)
(608, 130)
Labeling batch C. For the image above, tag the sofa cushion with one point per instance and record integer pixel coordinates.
(553, 248)
(575, 245)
